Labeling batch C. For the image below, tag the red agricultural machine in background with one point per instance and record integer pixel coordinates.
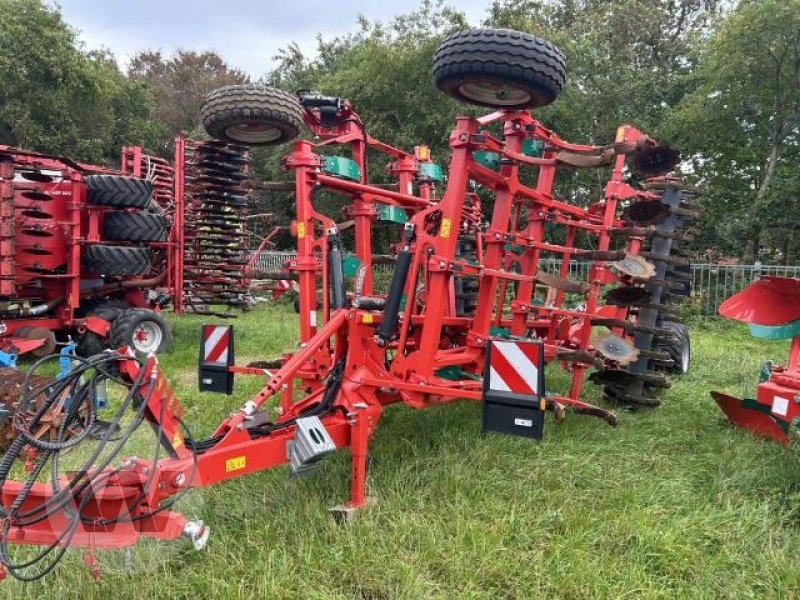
(468, 314)
(771, 309)
(82, 250)
(96, 253)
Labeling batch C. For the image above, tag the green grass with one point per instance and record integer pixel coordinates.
(672, 503)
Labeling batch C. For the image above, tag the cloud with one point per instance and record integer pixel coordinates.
(246, 33)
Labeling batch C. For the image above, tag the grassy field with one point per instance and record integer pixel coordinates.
(672, 503)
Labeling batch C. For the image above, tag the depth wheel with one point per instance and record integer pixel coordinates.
(146, 331)
(254, 115)
(499, 68)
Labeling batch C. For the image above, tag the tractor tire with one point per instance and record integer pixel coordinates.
(253, 115)
(499, 68)
(146, 331)
(680, 349)
(116, 261)
(118, 191)
(121, 226)
(90, 343)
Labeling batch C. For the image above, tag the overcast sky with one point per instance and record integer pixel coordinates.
(246, 33)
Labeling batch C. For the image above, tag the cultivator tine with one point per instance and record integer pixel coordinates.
(566, 285)
(604, 255)
(579, 356)
(633, 231)
(632, 326)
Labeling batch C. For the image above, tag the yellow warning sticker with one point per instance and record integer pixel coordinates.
(445, 229)
(301, 230)
(620, 134)
(366, 318)
(235, 464)
(177, 441)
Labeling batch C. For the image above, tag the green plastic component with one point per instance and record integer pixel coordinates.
(430, 172)
(503, 332)
(451, 373)
(766, 372)
(490, 160)
(350, 265)
(455, 373)
(533, 147)
(776, 332)
(393, 214)
(340, 166)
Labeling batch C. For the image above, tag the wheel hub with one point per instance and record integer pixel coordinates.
(147, 337)
(253, 133)
(489, 92)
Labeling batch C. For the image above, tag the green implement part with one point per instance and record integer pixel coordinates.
(775, 332)
(393, 214)
(490, 160)
(533, 148)
(430, 172)
(340, 166)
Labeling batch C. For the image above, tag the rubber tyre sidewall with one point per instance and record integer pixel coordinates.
(121, 333)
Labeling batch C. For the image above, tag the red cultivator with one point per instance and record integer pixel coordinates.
(771, 308)
(469, 313)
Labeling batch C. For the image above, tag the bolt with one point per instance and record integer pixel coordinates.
(442, 264)
(179, 480)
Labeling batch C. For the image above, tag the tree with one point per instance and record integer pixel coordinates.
(179, 83)
(56, 98)
(742, 120)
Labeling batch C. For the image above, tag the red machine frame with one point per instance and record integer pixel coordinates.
(345, 354)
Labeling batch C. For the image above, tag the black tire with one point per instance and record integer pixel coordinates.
(116, 261)
(470, 65)
(680, 349)
(118, 191)
(131, 323)
(121, 226)
(90, 343)
(254, 115)
(90, 306)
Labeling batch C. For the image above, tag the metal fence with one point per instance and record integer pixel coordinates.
(711, 283)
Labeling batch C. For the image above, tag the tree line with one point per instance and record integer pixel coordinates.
(717, 79)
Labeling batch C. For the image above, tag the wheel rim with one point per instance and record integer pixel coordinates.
(489, 92)
(147, 337)
(253, 132)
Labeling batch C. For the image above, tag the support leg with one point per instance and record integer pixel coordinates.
(363, 423)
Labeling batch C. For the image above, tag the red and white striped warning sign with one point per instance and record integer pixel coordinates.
(513, 367)
(215, 343)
